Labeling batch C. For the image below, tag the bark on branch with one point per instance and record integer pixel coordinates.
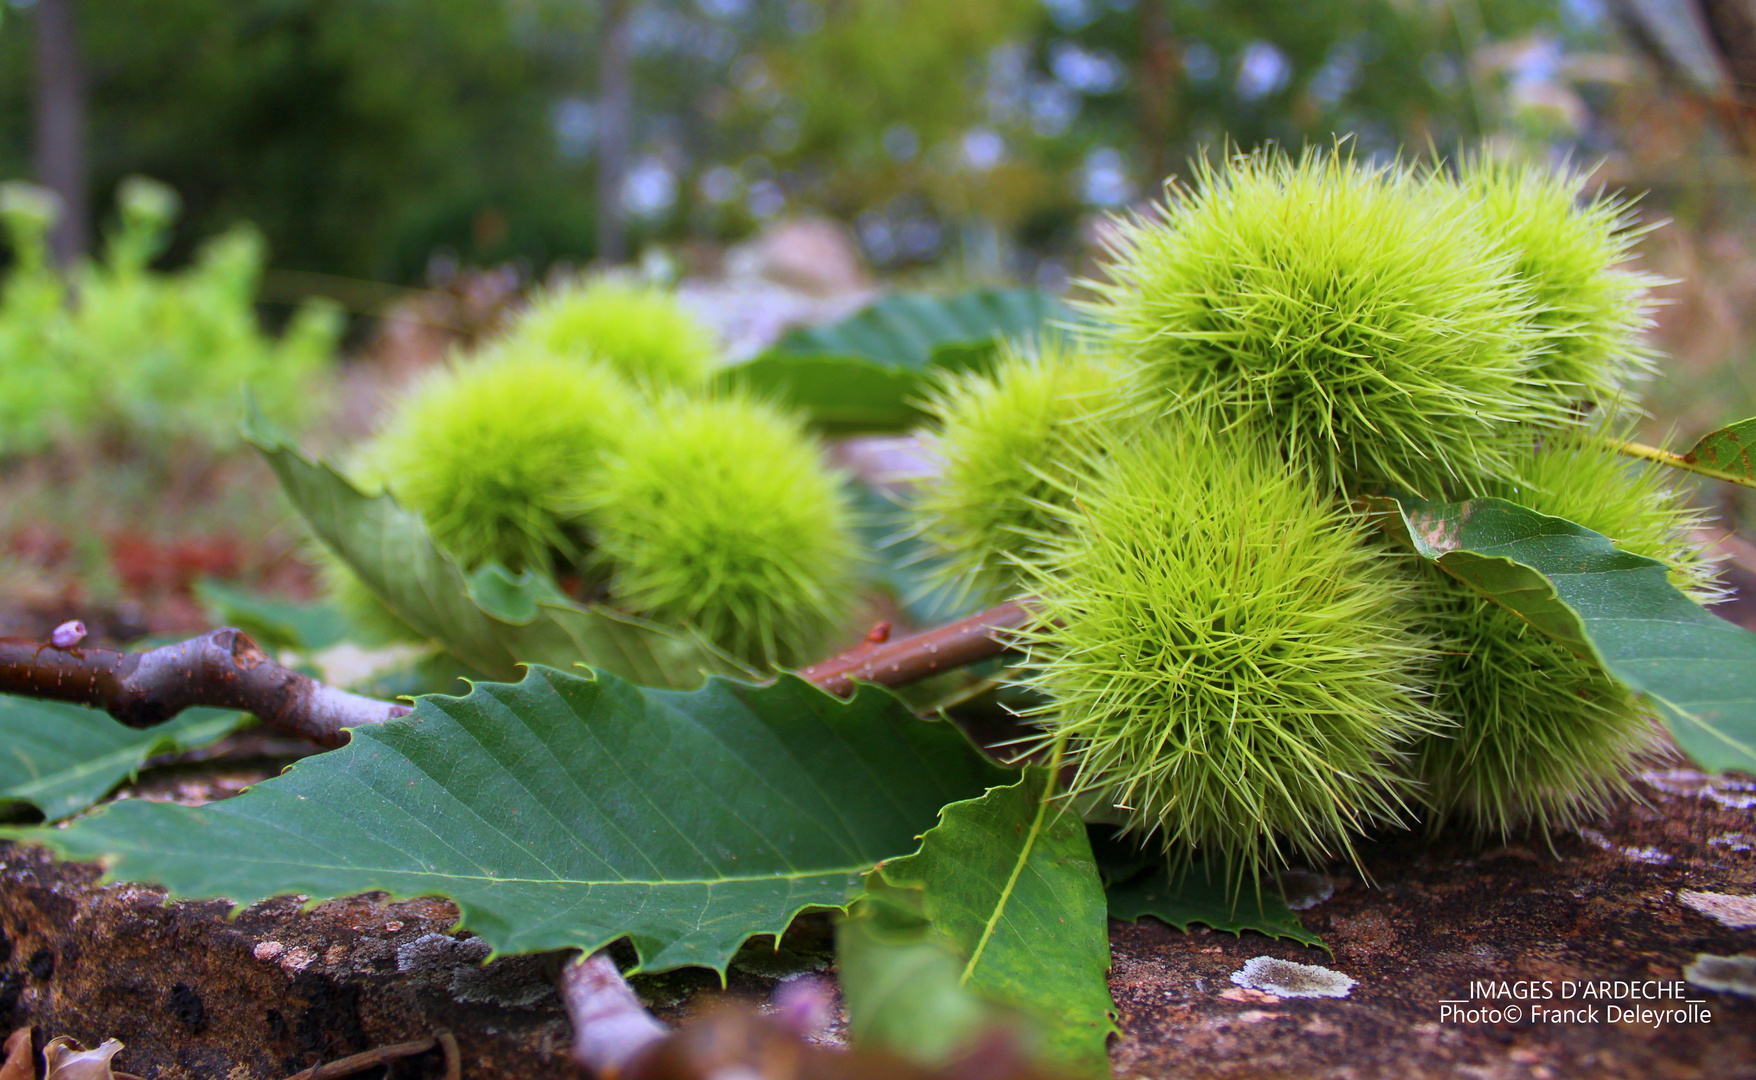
(221, 669)
(911, 659)
(224, 669)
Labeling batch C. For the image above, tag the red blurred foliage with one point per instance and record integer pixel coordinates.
(145, 565)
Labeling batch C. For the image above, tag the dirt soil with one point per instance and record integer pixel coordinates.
(194, 994)
(1603, 906)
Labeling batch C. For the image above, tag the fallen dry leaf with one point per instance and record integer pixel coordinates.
(67, 1060)
(20, 1063)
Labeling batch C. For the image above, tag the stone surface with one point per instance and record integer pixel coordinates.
(194, 994)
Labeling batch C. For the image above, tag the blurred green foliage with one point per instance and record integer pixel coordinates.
(146, 359)
(362, 136)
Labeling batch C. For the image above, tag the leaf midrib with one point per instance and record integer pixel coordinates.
(1018, 865)
(797, 875)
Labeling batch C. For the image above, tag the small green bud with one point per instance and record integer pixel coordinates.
(1011, 441)
(148, 203)
(27, 213)
(492, 450)
(721, 514)
(639, 330)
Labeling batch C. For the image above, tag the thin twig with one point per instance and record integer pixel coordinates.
(220, 669)
(610, 1026)
(360, 1062)
(911, 659)
(225, 669)
(1687, 462)
(453, 1059)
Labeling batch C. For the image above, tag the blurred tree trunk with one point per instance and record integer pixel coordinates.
(1158, 94)
(615, 127)
(60, 124)
(1731, 27)
(1704, 48)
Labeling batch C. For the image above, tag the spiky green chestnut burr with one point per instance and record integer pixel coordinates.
(1571, 250)
(1348, 312)
(1233, 666)
(491, 451)
(722, 515)
(1010, 440)
(1541, 736)
(640, 330)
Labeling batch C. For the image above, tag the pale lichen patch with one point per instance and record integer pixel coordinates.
(1729, 909)
(1637, 854)
(440, 951)
(1304, 890)
(1732, 974)
(1724, 790)
(1287, 979)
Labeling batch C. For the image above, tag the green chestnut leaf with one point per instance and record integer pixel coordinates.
(567, 812)
(865, 372)
(1611, 606)
(1202, 894)
(1724, 454)
(1008, 886)
(62, 758)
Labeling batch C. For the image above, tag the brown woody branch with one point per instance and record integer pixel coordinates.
(610, 1026)
(221, 669)
(224, 669)
(911, 659)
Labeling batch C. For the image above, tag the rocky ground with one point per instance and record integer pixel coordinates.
(1639, 897)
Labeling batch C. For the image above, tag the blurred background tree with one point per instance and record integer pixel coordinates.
(363, 136)
(357, 136)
